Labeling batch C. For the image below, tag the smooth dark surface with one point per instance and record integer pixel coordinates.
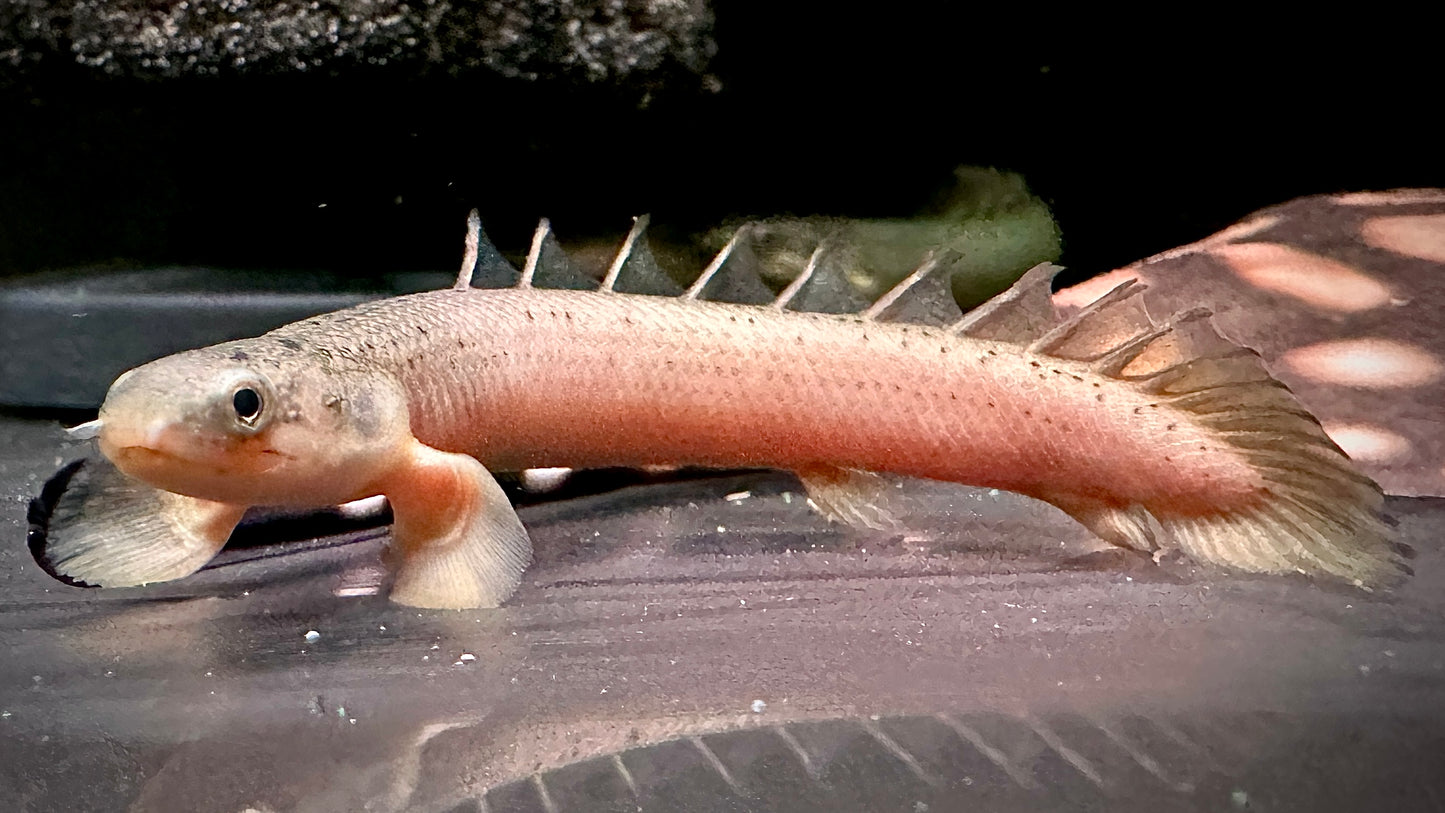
(665, 611)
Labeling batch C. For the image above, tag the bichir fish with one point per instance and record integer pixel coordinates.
(1153, 434)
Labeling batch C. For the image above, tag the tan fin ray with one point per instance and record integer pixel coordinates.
(732, 276)
(924, 297)
(95, 527)
(635, 270)
(534, 253)
(1114, 319)
(1020, 315)
(850, 496)
(469, 255)
(456, 542)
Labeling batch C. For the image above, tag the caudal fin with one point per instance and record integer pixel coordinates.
(1313, 511)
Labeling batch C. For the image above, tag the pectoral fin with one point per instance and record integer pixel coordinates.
(456, 543)
(94, 527)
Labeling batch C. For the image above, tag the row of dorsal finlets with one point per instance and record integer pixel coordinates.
(1022, 314)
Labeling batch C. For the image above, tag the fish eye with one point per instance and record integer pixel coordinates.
(248, 405)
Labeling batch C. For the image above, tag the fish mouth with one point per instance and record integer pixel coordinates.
(158, 463)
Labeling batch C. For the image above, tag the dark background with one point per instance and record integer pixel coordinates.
(1142, 134)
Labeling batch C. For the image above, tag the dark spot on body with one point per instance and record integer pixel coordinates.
(1028, 413)
(240, 355)
(1171, 427)
(943, 349)
(290, 344)
(1034, 364)
(1099, 397)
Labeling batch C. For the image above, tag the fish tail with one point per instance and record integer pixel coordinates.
(1310, 510)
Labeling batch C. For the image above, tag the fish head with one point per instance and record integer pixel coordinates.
(245, 423)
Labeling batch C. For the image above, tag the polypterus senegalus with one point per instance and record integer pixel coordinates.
(1153, 435)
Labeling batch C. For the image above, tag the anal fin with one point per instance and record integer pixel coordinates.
(94, 527)
(850, 496)
(456, 542)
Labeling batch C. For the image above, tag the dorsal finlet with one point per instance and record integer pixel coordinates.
(708, 273)
(802, 279)
(534, 253)
(639, 225)
(1019, 315)
(930, 263)
(1099, 327)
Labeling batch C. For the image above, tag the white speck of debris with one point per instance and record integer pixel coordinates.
(1349, 606)
(993, 492)
(382, 628)
(4, 715)
(1128, 578)
(787, 498)
(742, 602)
(312, 636)
(1239, 798)
(604, 691)
(1389, 653)
(738, 496)
(465, 658)
(1033, 621)
(341, 711)
(759, 707)
(722, 529)
(435, 647)
(1364, 669)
